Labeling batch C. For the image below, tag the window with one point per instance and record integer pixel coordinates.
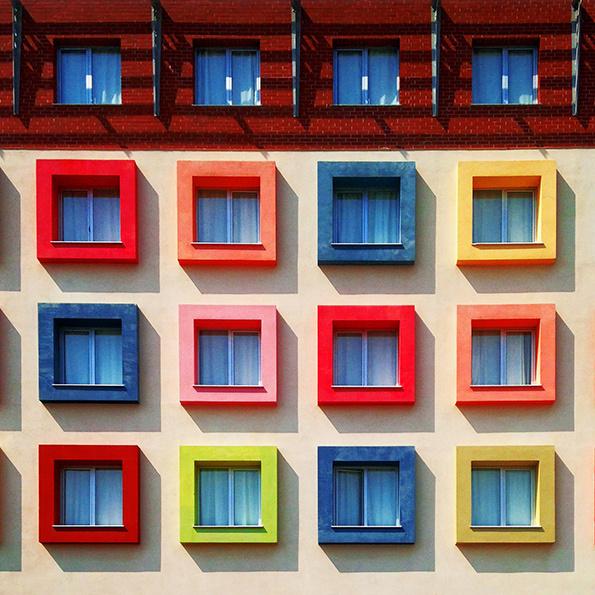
(503, 216)
(228, 358)
(367, 76)
(89, 75)
(228, 497)
(502, 497)
(504, 75)
(90, 215)
(227, 77)
(225, 216)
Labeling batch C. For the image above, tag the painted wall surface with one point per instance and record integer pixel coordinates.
(159, 425)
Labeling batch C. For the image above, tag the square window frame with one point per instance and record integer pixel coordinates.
(541, 318)
(50, 319)
(265, 456)
(357, 456)
(231, 175)
(196, 318)
(542, 458)
(330, 253)
(55, 175)
(54, 457)
(333, 318)
(507, 175)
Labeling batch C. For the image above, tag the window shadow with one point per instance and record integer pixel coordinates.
(10, 239)
(10, 377)
(10, 521)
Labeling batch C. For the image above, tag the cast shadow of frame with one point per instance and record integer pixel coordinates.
(10, 239)
(10, 521)
(10, 376)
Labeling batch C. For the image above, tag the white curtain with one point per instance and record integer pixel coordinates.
(519, 207)
(382, 358)
(519, 496)
(382, 77)
(246, 485)
(106, 72)
(485, 497)
(106, 215)
(75, 216)
(487, 216)
(213, 501)
(487, 75)
(381, 497)
(383, 224)
(245, 219)
(211, 75)
(349, 497)
(520, 76)
(485, 357)
(246, 359)
(348, 217)
(108, 356)
(76, 357)
(76, 504)
(211, 213)
(213, 358)
(72, 76)
(243, 77)
(519, 355)
(108, 497)
(348, 78)
(348, 359)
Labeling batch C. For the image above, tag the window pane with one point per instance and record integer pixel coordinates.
(75, 216)
(382, 358)
(382, 76)
(108, 497)
(348, 217)
(520, 76)
(485, 357)
(73, 76)
(213, 357)
(383, 218)
(487, 75)
(348, 359)
(246, 509)
(212, 216)
(213, 508)
(519, 494)
(108, 356)
(485, 497)
(520, 217)
(246, 358)
(519, 358)
(381, 497)
(106, 76)
(246, 215)
(76, 357)
(243, 77)
(76, 505)
(106, 215)
(349, 78)
(487, 216)
(349, 497)
(210, 77)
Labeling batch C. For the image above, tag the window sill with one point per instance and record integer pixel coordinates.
(367, 386)
(227, 105)
(506, 104)
(226, 244)
(102, 386)
(366, 105)
(231, 386)
(367, 527)
(501, 386)
(367, 244)
(506, 527)
(86, 104)
(87, 242)
(89, 527)
(215, 527)
(507, 244)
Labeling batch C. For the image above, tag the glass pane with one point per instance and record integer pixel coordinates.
(246, 358)
(487, 216)
(519, 495)
(76, 503)
(519, 358)
(211, 212)
(382, 76)
(73, 76)
(382, 358)
(213, 501)
(213, 358)
(76, 357)
(245, 217)
(348, 359)
(520, 76)
(243, 77)
(485, 497)
(348, 218)
(210, 77)
(485, 357)
(383, 217)
(348, 83)
(108, 356)
(349, 497)
(108, 497)
(487, 75)
(106, 76)
(75, 216)
(106, 215)
(520, 217)
(381, 497)
(246, 504)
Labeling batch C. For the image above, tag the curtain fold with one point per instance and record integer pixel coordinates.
(108, 356)
(106, 73)
(213, 356)
(349, 497)
(520, 216)
(485, 497)
(382, 78)
(487, 216)
(72, 76)
(382, 358)
(246, 359)
(519, 356)
(383, 224)
(381, 497)
(519, 487)
(485, 357)
(211, 75)
(349, 217)
(348, 359)
(108, 497)
(348, 78)
(76, 357)
(520, 76)
(213, 487)
(211, 214)
(243, 76)
(246, 496)
(76, 502)
(106, 215)
(75, 216)
(487, 75)
(245, 217)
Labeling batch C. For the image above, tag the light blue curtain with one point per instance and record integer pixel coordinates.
(383, 71)
(246, 359)
(75, 216)
(487, 75)
(485, 357)
(520, 217)
(382, 358)
(76, 503)
(519, 357)
(381, 497)
(211, 75)
(348, 78)
(245, 217)
(213, 500)
(108, 356)
(213, 358)
(519, 496)
(348, 359)
(106, 72)
(246, 495)
(520, 76)
(73, 76)
(349, 490)
(106, 215)
(485, 497)
(383, 217)
(108, 497)
(487, 216)
(243, 77)
(348, 217)
(211, 214)
(76, 357)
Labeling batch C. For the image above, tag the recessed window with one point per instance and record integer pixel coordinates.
(89, 75)
(90, 215)
(505, 75)
(227, 77)
(504, 216)
(367, 76)
(225, 216)
(228, 497)
(502, 497)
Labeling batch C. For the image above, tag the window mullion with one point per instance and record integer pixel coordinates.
(502, 357)
(92, 492)
(504, 75)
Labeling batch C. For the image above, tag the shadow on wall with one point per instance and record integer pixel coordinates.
(281, 278)
(401, 279)
(145, 557)
(10, 525)
(261, 557)
(396, 418)
(10, 376)
(257, 418)
(417, 557)
(557, 557)
(558, 417)
(559, 276)
(120, 278)
(10, 239)
(121, 417)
